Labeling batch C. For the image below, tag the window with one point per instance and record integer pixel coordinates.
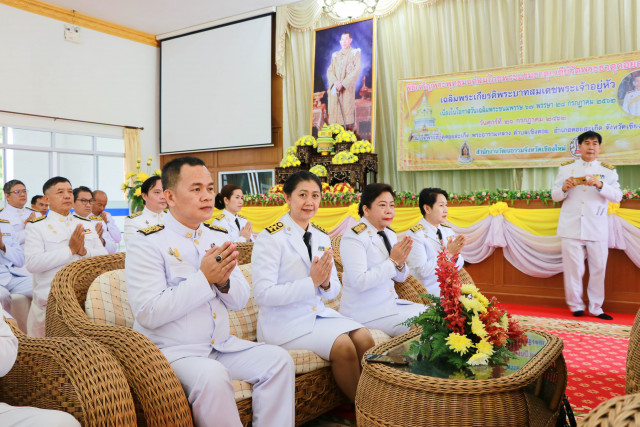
(35, 155)
(251, 182)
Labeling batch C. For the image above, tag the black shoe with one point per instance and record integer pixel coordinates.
(578, 313)
(604, 316)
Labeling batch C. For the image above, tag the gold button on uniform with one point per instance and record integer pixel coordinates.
(189, 235)
(390, 290)
(583, 202)
(314, 308)
(214, 315)
(213, 342)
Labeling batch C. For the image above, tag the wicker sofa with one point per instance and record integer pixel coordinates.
(75, 375)
(157, 393)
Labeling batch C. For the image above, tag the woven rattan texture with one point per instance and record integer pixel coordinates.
(633, 358)
(159, 397)
(386, 395)
(74, 375)
(621, 411)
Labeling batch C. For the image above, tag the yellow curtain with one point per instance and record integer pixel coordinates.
(131, 149)
(419, 38)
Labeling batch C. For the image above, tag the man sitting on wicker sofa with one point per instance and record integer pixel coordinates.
(181, 279)
(24, 415)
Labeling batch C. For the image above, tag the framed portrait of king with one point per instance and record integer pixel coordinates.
(343, 89)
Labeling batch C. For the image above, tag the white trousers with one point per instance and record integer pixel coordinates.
(573, 253)
(22, 285)
(26, 416)
(36, 324)
(207, 384)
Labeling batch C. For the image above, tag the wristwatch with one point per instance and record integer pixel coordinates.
(225, 287)
(398, 266)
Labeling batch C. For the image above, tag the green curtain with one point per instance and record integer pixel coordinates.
(422, 38)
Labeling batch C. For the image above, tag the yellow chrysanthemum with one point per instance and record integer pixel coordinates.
(158, 172)
(483, 300)
(485, 347)
(142, 177)
(130, 174)
(478, 359)
(477, 327)
(472, 304)
(138, 192)
(469, 289)
(458, 343)
(504, 322)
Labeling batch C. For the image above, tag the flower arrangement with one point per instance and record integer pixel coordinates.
(344, 157)
(290, 159)
(346, 136)
(463, 328)
(342, 187)
(307, 140)
(132, 185)
(319, 170)
(276, 189)
(361, 147)
(326, 188)
(335, 129)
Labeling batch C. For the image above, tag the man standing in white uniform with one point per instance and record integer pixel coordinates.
(52, 242)
(24, 415)
(98, 209)
(585, 187)
(430, 236)
(182, 279)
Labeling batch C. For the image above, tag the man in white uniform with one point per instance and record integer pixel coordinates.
(24, 415)
(13, 278)
(15, 211)
(631, 102)
(430, 236)
(100, 201)
(585, 187)
(38, 205)
(153, 212)
(82, 201)
(182, 279)
(52, 242)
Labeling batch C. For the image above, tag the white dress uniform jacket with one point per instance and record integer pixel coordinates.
(172, 301)
(369, 291)
(423, 258)
(113, 229)
(16, 218)
(227, 221)
(139, 220)
(583, 215)
(47, 250)
(631, 103)
(109, 245)
(282, 287)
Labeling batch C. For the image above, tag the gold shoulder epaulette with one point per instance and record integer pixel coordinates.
(359, 228)
(81, 217)
(1, 209)
(135, 214)
(319, 228)
(215, 228)
(5, 221)
(95, 218)
(607, 165)
(417, 228)
(273, 228)
(152, 229)
(445, 225)
(568, 162)
(220, 217)
(242, 216)
(40, 218)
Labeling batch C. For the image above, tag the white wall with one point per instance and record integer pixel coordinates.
(103, 79)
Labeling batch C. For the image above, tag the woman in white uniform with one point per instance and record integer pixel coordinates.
(229, 201)
(292, 264)
(154, 208)
(373, 258)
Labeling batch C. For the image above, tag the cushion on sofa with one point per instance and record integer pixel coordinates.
(107, 300)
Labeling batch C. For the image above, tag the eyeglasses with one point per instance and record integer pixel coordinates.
(19, 191)
(86, 201)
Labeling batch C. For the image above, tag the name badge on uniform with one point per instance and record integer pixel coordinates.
(599, 176)
(6, 234)
(324, 248)
(87, 231)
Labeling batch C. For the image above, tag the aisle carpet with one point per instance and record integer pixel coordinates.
(595, 352)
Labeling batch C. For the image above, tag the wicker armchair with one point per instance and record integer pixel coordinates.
(620, 411)
(74, 375)
(157, 393)
(633, 358)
